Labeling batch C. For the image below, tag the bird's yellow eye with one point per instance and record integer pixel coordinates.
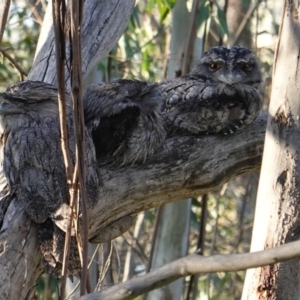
(246, 66)
(214, 66)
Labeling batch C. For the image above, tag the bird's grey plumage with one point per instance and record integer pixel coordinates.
(220, 94)
(125, 121)
(32, 160)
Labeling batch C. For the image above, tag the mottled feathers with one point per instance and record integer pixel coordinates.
(32, 163)
(219, 95)
(125, 121)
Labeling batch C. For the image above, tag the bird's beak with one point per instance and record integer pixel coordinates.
(231, 78)
(8, 108)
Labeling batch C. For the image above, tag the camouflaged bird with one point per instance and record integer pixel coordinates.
(219, 95)
(127, 122)
(32, 163)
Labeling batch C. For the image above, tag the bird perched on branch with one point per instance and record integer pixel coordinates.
(127, 121)
(219, 95)
(32, 163)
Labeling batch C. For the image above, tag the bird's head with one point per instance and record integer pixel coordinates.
(231, 66)
(27, 102)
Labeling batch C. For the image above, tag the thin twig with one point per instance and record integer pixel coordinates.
(104, 269)
(119, 262)
(76, 93)
(158, 220)
(22, 72)
(249, 13)
(200, 242)
(90, 263)
(135, 245)
(59, 18)
(4, 16)
(215, 232)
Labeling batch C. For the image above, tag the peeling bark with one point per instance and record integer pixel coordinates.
(277, 218)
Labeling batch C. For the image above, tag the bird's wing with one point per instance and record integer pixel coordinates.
(124, 119)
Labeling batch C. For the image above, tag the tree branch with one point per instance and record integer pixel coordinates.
(105, 21)
(187, 166)
(4, 10)
(22, 72)
(195, 264)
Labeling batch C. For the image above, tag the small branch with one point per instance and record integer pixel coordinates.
(249, 13)
(4, 16)
(192, 265)
(22, 72)
(79, 128)
(59, 19)
(104, 269)
(201, 240)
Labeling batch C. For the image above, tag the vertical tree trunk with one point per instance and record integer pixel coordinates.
(277, 212)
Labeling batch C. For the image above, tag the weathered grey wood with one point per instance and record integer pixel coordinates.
(20, 257)
(106, 21)
(187, 166)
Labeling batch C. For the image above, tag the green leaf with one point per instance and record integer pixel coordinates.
(204, 18)
(222, 21)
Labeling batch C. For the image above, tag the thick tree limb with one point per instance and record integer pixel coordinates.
(187, 166)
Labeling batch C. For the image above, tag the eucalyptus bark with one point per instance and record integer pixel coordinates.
(277, 218)
(104, 23)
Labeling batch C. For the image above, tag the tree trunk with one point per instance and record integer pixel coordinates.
(277, 213)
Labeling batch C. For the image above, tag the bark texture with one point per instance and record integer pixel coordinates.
(188, 166)
(104, 23)
(277, 218)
